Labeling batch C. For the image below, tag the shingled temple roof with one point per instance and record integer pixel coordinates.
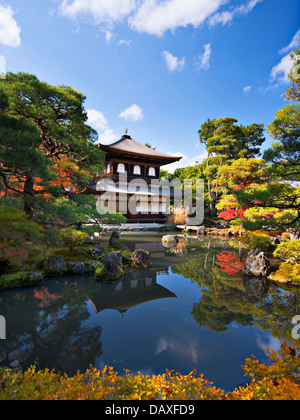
(127, 146)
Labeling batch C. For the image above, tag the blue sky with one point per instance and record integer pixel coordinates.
(159, 68)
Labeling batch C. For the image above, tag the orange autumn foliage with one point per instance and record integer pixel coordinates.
(66, 175)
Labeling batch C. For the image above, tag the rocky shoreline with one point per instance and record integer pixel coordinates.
(109, 264)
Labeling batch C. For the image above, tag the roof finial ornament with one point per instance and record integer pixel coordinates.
(126, 131)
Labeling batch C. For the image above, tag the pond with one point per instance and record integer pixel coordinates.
(193, 309)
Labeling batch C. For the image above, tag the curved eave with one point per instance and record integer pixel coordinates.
(162, 159)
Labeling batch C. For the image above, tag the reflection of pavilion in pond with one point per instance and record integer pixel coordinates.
(129, 293)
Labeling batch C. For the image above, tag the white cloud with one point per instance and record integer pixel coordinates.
(9, 29)
(98, 121)
(101, 11)
(156, 17)
(247, 8)
(183, 349)
(108, 136)
(268, 342)
(185, 161)
(294, 44)
(247, 89)
(203, 60)
(132, 113)
(125, 42)
(109, 35)
(281, 71)
(227, 16)
(173, 63)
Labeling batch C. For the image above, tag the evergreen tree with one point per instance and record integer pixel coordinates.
(225, 142)
(281, 196)
(63, 144)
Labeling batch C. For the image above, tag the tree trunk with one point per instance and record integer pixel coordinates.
(210, 200)
(29, 196)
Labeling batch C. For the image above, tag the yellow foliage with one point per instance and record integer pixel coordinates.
(257, 239)
(280, 379)
(287, 273)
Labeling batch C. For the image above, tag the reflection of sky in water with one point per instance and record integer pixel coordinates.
(185, 313)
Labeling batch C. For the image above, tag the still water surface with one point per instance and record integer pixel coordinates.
(192, 310)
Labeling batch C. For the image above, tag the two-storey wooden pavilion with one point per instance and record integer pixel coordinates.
(127, 161)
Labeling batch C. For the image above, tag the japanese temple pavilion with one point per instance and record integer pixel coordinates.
(128, 162)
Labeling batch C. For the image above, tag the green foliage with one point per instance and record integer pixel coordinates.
(257, 240)
(226, 142)
(285, 153)
(293, 92)
(283, 161)
(223, 137)
(289, 251)
(241, 173)
(113, 219)
(273, 204)
(15, 280)
(19, 155)
(73, 238)
(17, 234)
(287, 273)
(48, 151)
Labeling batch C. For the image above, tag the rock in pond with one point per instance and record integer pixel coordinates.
(114, 239)
(111, 268)
(10, 281)
(257, 264)
(141, 258)
(170, 240)
(76, 268)
(97, 251)
(34, 278)
(55, 266)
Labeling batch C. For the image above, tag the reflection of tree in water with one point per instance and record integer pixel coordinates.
(49, 328)
(227, 296)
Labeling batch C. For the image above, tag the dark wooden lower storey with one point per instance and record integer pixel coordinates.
(146, 218)
(148, 213)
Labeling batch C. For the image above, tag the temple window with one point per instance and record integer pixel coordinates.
(151, 171)
(121, 167)
(137, 170)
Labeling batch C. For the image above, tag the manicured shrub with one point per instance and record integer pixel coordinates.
(287, 273)
(257, 239)
(73, 238)
(289, 251)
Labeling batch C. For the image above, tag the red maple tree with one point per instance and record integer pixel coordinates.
(229, 263)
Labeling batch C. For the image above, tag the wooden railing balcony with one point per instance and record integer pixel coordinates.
(117, 177)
